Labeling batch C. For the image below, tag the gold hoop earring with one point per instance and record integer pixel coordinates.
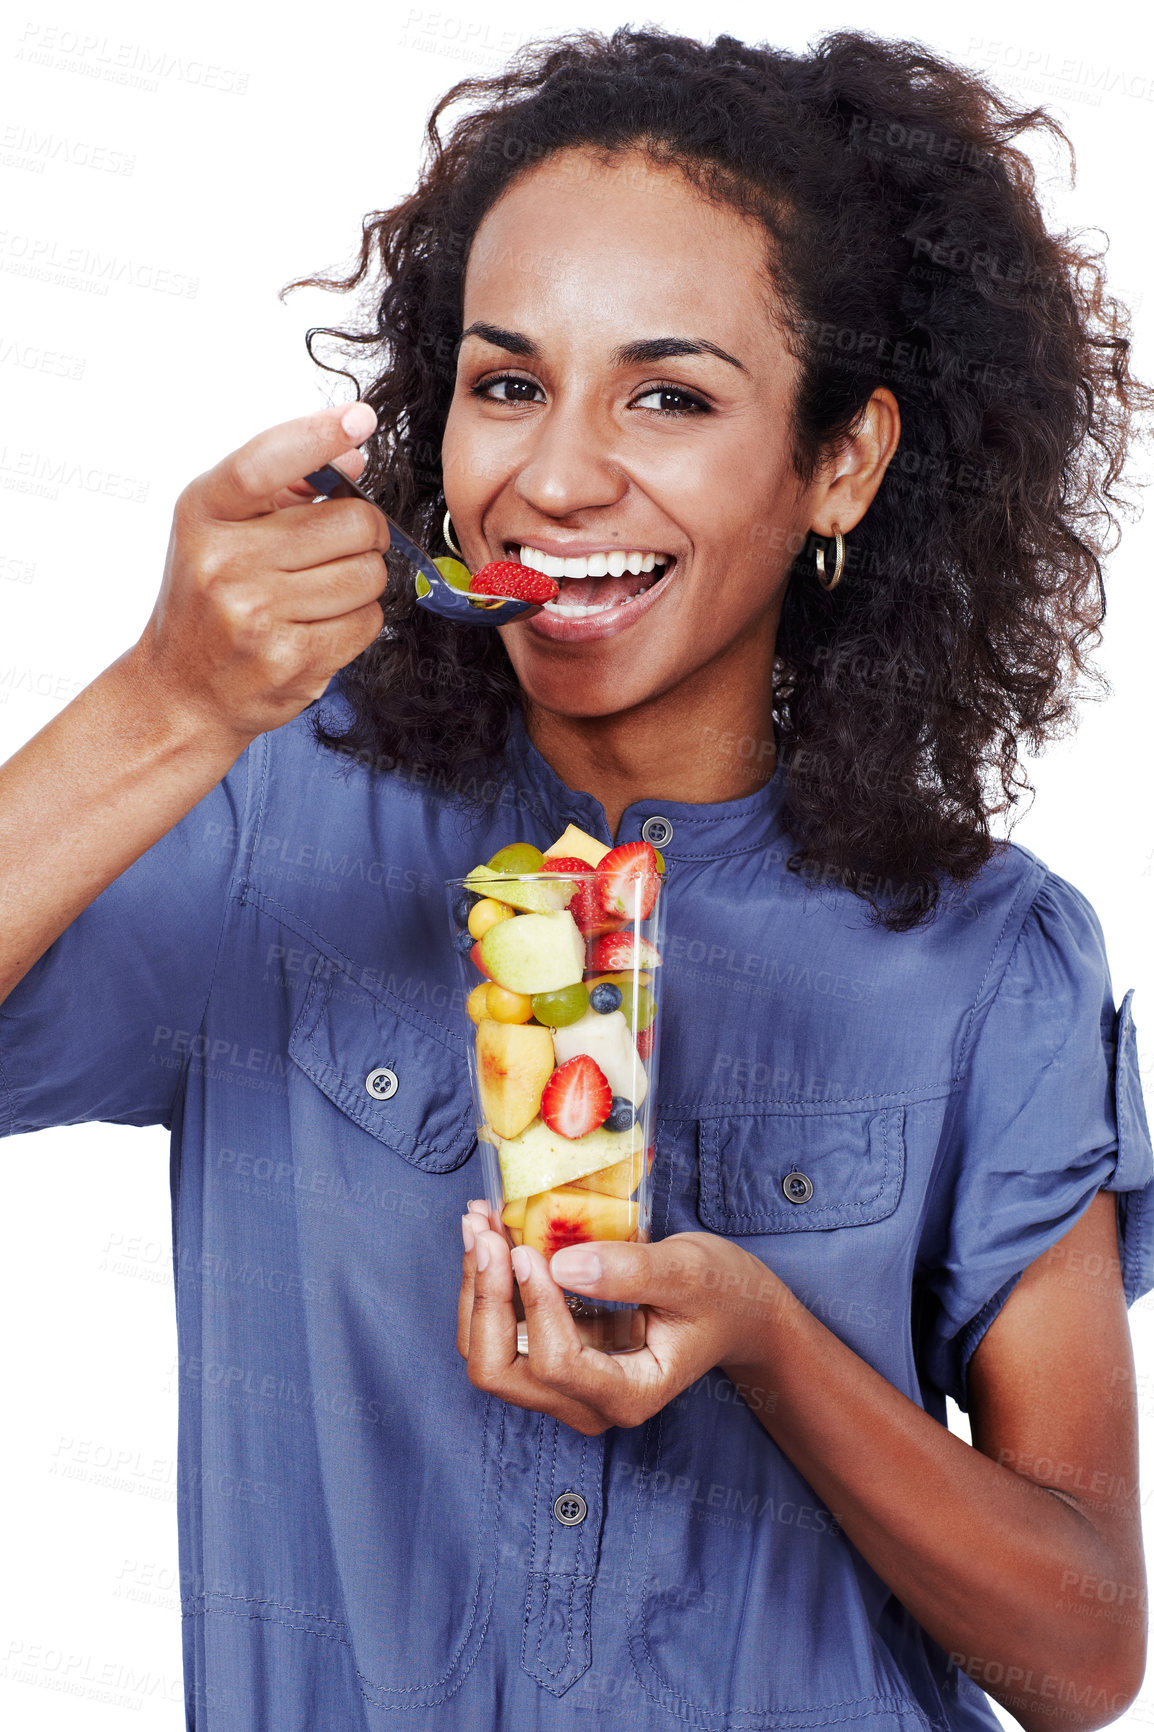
(828, 583)
(447, 532)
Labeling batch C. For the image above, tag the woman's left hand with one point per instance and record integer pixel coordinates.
(705, 1299)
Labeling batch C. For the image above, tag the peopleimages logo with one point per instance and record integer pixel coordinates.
(133, 64)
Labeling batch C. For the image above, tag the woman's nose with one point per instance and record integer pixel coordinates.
(570, 466)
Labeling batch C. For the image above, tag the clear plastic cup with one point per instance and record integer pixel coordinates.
(553, 1177)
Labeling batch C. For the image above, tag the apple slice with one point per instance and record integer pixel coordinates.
(568, 1216)
(514, 1062)
(535, 953)
(546, 897)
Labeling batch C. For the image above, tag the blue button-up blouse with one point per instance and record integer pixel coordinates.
(367, 1541)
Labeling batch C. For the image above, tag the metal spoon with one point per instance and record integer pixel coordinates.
(437, 595)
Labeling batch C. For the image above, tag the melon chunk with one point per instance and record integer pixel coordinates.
(619, 1180)
(539, 1158)
(608, 1042)
(576, 845)
(535, 952)
(514, 1062)
(567, 1216)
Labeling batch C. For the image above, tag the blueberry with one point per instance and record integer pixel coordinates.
(463, 907)
(605, 997)
(464, 942)
(621, 1113)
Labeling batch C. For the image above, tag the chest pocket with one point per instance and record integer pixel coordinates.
(800, 1169)
(398, 1074)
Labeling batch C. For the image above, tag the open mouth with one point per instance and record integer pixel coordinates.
(597, 583)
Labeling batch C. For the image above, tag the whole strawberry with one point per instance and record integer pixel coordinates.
(518, 582)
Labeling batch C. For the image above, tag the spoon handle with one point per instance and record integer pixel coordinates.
(441, 597)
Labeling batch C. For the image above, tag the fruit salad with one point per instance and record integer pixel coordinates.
(560, 948)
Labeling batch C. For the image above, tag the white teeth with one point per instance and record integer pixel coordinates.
(578, 609)
(605, 564)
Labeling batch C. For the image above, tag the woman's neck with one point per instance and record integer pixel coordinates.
(718, 746)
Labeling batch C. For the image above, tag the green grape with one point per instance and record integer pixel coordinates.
(660, 858)
(558, 1009)
(455, 574)
(517, 857)
(639, 1008)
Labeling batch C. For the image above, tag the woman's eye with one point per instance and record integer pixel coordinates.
(509, 389)
(667, 400)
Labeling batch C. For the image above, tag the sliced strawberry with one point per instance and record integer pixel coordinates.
(618, 952)
(645, 1050)
(627, 881)
(520, 582)
(587, 911)
(577, 1098)
(564, 863)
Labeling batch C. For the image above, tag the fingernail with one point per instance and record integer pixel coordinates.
(467, 1233)
(478, 1206)
(576, 1268)
(358, 421)
(482, 1254)
(522, 1265)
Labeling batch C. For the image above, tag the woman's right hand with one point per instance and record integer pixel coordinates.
(266, 594)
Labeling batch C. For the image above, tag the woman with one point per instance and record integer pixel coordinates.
(731, 308)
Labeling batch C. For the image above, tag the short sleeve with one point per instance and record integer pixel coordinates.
(1048, 1111)
(96, 1027)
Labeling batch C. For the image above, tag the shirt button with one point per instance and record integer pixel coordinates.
(570, 1508)
(382, 1084)
(657, 831)
(797, 1188)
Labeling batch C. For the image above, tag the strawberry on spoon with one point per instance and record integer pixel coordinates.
(505, 578)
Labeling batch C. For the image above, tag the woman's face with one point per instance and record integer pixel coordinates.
(622, 389)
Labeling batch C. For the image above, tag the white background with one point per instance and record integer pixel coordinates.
(163, 215)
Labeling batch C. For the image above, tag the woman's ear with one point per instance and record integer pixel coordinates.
(844, 492)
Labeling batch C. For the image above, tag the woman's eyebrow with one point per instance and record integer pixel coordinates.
(664, 348)
(628, 355)
(513, 342)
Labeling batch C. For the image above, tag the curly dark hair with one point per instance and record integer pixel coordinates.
(908, 250)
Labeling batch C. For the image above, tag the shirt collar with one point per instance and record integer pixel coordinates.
(709, 831)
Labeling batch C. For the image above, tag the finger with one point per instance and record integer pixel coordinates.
(300, 536)
(493, 1355)
(329, 644)
(673, 1273)
(554, 1344)
(245, 483)
(683, 1276)
(259, 596)
(331, 591)
(493, 1361)
(468, 1279)
(490, 1216)
(351, 462)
